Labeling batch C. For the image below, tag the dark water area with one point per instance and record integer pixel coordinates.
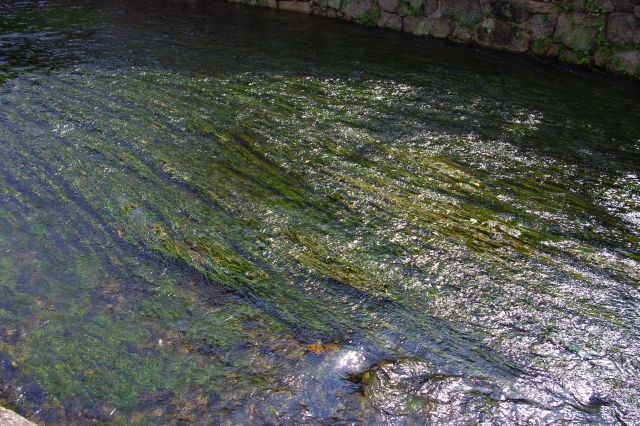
(217, 214)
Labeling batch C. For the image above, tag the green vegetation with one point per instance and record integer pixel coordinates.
(541, 43)
(596, 7)
(370, 17)
(412, 8)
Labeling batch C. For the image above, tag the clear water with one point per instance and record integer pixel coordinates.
(216, 214)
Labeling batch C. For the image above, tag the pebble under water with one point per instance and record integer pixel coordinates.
(216, 214)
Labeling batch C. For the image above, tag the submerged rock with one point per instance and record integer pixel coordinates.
(320, 348)
(418, 388)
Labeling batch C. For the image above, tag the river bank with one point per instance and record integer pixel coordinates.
(598, 33)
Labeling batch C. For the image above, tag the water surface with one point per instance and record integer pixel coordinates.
(218, 214)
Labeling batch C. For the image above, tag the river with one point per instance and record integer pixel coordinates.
(217, 214)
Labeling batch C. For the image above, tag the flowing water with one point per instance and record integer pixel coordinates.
(216, 214)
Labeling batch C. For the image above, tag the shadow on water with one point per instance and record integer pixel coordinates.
(213, 212)
(42, 36)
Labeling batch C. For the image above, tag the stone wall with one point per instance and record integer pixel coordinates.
(602, 33)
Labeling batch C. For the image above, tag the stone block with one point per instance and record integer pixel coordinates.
(327, 4)
(462, 33)
(272, 4)
(392, 6)
(605, 6)
(553, 50)
(519, 42)
(623, 28)
(536, 7)
(357, 9)
(509, 10)
(331, 13)
(441, 27)
(636, 11)
(541, 26)
(544, 47)
(417, 7)
(577, 30)
(626, 61)
(600, 58)
(390, 21)
(295, 6)
(467, 11)
(593, 7)
(429, 6)
(503, 35)
(571, 5)
(436, 27)
(416, 25)
(625, 5)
